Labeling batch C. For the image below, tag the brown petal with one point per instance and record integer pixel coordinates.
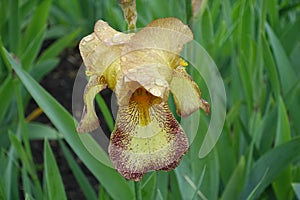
(187, 95)
(146, 137)
(89, 120)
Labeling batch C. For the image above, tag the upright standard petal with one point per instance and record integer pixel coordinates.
(146, 137)
(153, 52)
(187, 95)
(168, 34)
(100, 52)
(153, 77)
(89, 120)
(109, 35)
(102, 48)
(160, 42)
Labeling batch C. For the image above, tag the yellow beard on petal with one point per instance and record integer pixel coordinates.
(149, 137)
(143, 100)
(146, 137)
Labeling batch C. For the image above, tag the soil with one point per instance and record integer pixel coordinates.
(59, 83)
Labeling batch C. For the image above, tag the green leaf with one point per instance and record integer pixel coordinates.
(207, 29)
(162, 185)
(22, 154)
(12, 179)
(27, 184)
(6, 94)
(14, 25)
(38, 22)
(43, 68)
(271, 67)
(38, 131)
(268, 167)
(148, 187)
(63, 121)
(2, 190)
(236, 182)
(174, 193)
(32, 50)
(273, 12)
(283, 132)
(56, 48)
(281, 185)
(81, 178)
(287, 74)
(95, 150)
(290, 35)
(54, 184)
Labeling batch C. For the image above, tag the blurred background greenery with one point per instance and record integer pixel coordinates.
(256, 46)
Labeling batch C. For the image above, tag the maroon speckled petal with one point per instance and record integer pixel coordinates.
(146, 137)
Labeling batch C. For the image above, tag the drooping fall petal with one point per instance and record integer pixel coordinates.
(187, 95)
(89, 120)
(146, 137)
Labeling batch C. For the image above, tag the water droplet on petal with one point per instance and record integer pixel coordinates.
(88, 38)
(159, 82)
(155, 91)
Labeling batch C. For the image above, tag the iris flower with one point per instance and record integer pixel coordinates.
(142, 69)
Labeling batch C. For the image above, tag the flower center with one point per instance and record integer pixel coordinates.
(144, 100)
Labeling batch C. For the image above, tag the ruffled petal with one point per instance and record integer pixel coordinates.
(146, 137)
(102, 48)
(149, 57)
(109, 35)
(153, 77)
(89, 120)
(160, 42)
(187, 95)
(167, 34)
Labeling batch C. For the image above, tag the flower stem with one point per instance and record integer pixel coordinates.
(138, 190)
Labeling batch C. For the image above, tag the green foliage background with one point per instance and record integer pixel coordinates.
(256, 46)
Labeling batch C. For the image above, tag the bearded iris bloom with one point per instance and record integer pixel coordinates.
(142, 69)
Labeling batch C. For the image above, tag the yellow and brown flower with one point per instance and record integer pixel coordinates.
(142, 69)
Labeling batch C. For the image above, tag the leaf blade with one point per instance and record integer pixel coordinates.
(54, 183)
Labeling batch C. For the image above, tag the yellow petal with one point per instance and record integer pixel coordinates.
(98, 60)
(146, 137)
(160, 42)
(153, 77)
(102, 48)
(187, 95)
(89, 120)
(109, 35)
(152, 53)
